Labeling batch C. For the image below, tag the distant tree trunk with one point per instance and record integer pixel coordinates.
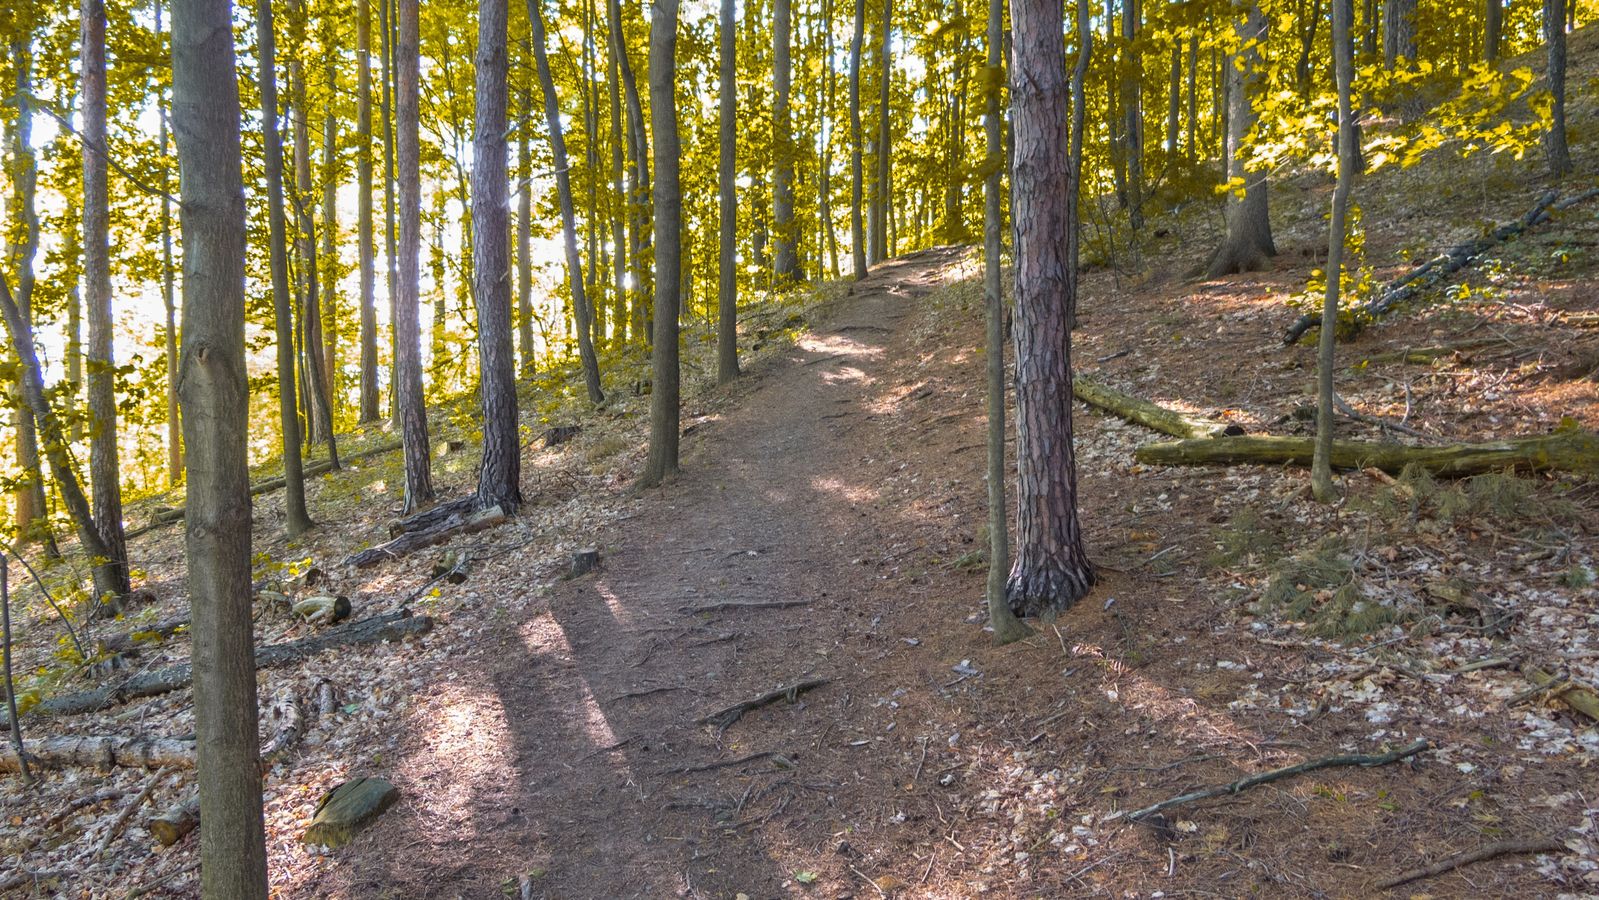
(1248, 243)
(639, 174)
(664, 413)
(1371, 17)
(72, 243)
(1493, 28)
(1174, 101)
(1399, 32)
(1007, 628)
(785, 267)
(407, 332)
(169, 300)
(363, 212)
(205, 113)
(1051, 571)
(1193, 97)
(31, 522)
(563, 184)
(1133, 110)
(317, 398)
(727, 251)
(880, 249)
(524, 243)
(619, 260)
(824, 210)
(1321, 479)
(1307, 41)
(1085, 52)
(857, 227)
(297, 519)
(104, 471)
(1554, 30)
(500, 476)
(390, 227)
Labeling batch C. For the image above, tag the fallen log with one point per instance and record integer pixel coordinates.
(1574, 694)
(459, 522)
(723, 719)
(121, 643)
(1443, 265)
(393, 626)
(1150, 415)
(1364, 761)
(175, 821)
(104, 753)
(1422, 356)
(1566, 450)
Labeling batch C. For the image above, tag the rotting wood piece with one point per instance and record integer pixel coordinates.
(347, 809)
(1150, 415)
(104, 752)
(458, 522)
(170, 825)
(560, 434)
(393, 626)
(724, 718)
(1574, 694)
(1566, 450)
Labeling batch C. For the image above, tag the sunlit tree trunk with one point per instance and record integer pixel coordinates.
(524, 242)
(1133, 112)
(328, 260)
(297, 520)
(1554, 31)
(857, 228)
(363, 213)
(619, 260)
(727, 189)
(104, 469)
(829, 129)
(563, 183)
(390, 206)
(169, 299)
(1248, 243)
(407, 332)
(664, 413)
(785, 265)
(638, 176)
(205, 114)
(1051, 570)
(1321, 479)
(878, 248)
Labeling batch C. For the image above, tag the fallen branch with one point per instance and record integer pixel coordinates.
(1243, 784)
(1574, 694)
(127, 812)
(724, 719)
(741, 604)
(1499, 848)
(1150, 415)
(393, 626)
(1442, 266)
(105, 753)
(1568, 450)
(462, 520)
(1421, 356)
(721, 764)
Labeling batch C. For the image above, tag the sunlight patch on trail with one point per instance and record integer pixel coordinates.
(469, 739)
(546, 638)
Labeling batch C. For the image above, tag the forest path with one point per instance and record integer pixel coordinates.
(564, 757)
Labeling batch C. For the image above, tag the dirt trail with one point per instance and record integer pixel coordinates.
(565, 754)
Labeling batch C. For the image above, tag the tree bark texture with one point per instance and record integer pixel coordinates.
(407, 331)
(664, 412)
(1248, 242)
(727, 187)
(857, 226)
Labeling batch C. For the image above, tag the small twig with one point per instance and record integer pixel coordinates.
(862, 876)
(152, 885)
(723, 719)
(128, 811)
(1242, 784)
(742, 604)
(1499, 848)
(648, 691)
(921, 762)
(721, 764)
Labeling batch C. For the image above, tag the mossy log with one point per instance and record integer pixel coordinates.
(393, 626)
(1578, 696)
(347, 809)
(1150, 415)
(1567, 450)
(104, 753)
(1421, 356)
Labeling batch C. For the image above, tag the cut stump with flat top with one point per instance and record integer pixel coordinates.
(347, 809)
(584, 561)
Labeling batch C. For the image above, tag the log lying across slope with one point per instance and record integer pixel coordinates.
(387, 627)
(1443, 265)
(1150, 415)
(105, 752)
(1567, 450)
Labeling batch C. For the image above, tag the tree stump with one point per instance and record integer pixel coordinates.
(585, 561)
(347, 809)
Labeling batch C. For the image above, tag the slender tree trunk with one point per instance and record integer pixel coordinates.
(563, 185)
(885, 138)
(169, 300)
(390, 210)
(1248, 243)
(1493, 28)
(857, 232)
(1133, 111)
(1007, 628)
(1174, 96)
(363, 213)
(1085, 52)
(329, 259)
(785, 267)
(297, 520)
(500, 477)
(524, 243)
(104, 470)
(1051, 571)
(407, 337)
(1193, 97)
(727, 188)
(1321, 479)
(829, 129)
(639, 175)
(619, 258)
(664, 413)
(205, 113)
(1554, 31)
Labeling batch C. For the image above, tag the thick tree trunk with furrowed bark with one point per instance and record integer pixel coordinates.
(407, 331)
(727, 188)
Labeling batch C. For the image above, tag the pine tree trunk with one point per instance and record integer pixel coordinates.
(857, 226)
(407, 336)
(500, 476)
(1321, 480)
(363, 212)
(1554, 31)
(785, 266)
(885, 139)
(104, 470)
(664, 412)
(727, 189)
(391, 262)
(297, 520)
(215, 395)
(1248, 243)
(1051, 570)
(563, 184)
(1133, 113)
(524, 243)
